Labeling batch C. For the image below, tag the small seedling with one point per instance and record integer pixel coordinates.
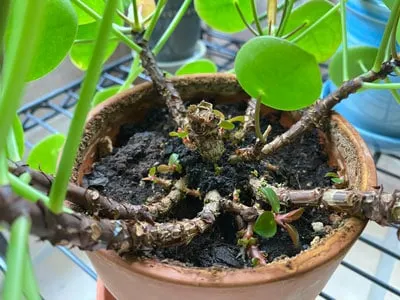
(335, 178)
(173, 165)
(266, 222)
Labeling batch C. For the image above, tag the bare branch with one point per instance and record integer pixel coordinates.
(314, 115)
(165, 88)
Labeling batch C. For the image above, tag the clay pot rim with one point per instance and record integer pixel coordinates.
(329, 248)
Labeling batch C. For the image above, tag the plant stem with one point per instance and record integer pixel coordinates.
(256, 21)
(157, 13)
(297, 29)
(244, 19)
(316, 23)
(136, 69)
(381, 86)
(31, 288)
(136, 23)
(393, 37)
(4, 12)
(90, 41)
(257, 121)
(344, 41)
(172, 26)
(3, 168)
(16, 254)
(386, 36)
(148, 18)
(59, 188)
(12, 147)
(123, 17)
(272, 9)
(115, 29)
(287, 11)
(134, 72)
(264, 15)
(395, 93)
(25, 20)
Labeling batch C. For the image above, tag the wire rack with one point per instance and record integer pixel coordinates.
(57, 108)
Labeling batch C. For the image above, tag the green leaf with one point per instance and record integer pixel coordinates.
(294, 234)
(81, 53)
(337, 180)
(97, 5)
(222, 14)
(173, 159)
(44, 155)
(198, 66)
(356, 55)
(55, 40)
(226, 125)
(219, 114)
(281, 74)
(324, 39)
(181, 135)
(237, 119)
(332, 175)
(152, 171)
(272, 198)
(265, 225)
(104, 95)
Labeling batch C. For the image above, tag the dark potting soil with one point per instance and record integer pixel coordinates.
(302, 165)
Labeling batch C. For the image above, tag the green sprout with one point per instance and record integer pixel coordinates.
(335, 178)
(266, 223)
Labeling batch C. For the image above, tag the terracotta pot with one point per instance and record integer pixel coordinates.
(300, 277)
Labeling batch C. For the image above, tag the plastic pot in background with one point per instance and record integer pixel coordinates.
(374, 113)
(184, 45)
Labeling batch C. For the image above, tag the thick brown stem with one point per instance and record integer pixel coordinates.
(165, 88)
(91, 234)
(314, 115)
(383, 208)
(95, 204)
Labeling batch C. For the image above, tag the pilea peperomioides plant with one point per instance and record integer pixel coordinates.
(277, 68)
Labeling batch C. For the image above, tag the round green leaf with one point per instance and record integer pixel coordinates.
(56, 38)
(82, 49)
(265, 225)
(324, 39)
(44, 155)
(357, 56)
(104, 94)
(281, 74)
(222, 15)
(198, 66)
(97, 5)
(272, 198)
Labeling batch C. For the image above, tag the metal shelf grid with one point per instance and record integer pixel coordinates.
(40, 113)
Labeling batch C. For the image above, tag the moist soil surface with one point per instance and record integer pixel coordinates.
(302, 165)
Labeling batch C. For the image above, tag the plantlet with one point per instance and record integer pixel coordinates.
(278, 68)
